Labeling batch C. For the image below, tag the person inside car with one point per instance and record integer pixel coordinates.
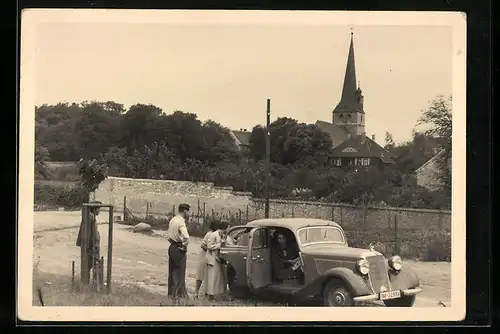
(284, 256)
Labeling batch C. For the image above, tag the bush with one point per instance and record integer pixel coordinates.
(60, 196)
(416, 244)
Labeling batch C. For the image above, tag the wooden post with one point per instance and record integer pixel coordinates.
(333, 213)
(110, 249)
(239, 211)
(247, 215)
(72, 275)
(147, 210)
(97, 275)
(124, 208)
(341, 209)
(101, 268)
(84, 265)
(396, 241)
(204, 210)
(293, 211)
(173, 210)
(268, 155)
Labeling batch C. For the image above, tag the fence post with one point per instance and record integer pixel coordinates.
(293, 211)
(240, 215)
(247, 214)
(333, 213)
(173, 210)
(124, 208)
(440, 220)
(147, 210)
(396, 240)
(204, 210)
(341, 212)
(84, 265)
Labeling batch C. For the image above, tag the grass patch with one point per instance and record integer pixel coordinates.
(56, 291)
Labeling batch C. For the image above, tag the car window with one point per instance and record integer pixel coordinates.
(320, 234)
(259, 238)
(238, 237)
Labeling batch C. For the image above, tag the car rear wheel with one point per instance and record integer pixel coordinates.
(405, 301)
(337, 294)
(235, 290)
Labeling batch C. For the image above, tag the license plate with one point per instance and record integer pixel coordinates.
(390, 295)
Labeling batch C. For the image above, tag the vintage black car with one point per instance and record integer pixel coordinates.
(328, 270)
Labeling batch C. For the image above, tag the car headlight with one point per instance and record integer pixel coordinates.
(396, 263)
(363, 266)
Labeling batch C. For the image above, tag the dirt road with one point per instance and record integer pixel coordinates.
(142, 259)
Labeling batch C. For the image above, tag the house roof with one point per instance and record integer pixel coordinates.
(440, 153)
(243, 137)
(337, 133)
(362, 146)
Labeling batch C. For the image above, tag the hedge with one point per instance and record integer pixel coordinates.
(69, 197)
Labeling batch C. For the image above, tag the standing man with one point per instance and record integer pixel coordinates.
(179, 238)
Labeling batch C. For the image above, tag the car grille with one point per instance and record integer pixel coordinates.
(378, 273)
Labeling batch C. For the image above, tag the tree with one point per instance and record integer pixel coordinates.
(41, 158)
(389, 142)
(141, 125)
(257, 143)
(438, 119)
(219, 144)
(92, 173)
(307, 143)
(363, 187)
(96, 130)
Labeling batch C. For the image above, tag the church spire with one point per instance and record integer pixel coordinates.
(349, 89)
(352, 98)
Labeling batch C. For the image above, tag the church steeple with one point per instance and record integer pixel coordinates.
(349, 112)
(349, 89)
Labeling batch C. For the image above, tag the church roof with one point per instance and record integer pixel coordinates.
(361, 146)
(337, 133)
(243, 137)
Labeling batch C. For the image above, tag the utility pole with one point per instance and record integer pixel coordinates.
(268, 156)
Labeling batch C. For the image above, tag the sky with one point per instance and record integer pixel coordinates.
(225, 72)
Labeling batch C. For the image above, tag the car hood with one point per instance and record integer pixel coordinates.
(336, 251)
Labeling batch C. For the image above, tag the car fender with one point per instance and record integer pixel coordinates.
(353, 281)
(406, 278)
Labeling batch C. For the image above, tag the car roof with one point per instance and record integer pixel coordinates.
(291, 223)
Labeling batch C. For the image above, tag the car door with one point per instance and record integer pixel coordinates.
(258, 259)
(235, 253)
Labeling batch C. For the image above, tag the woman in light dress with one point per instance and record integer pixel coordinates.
(215, 282)
(200, 271)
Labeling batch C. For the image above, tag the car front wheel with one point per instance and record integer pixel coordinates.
(405, 301)
(337, 294)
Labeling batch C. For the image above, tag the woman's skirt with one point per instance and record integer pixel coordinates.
(200, 271)
(215, 283)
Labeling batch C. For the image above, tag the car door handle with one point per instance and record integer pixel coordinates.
(244, 257)
(224, 253)
(257, 258)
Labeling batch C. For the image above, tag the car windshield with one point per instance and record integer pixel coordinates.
(326, 234)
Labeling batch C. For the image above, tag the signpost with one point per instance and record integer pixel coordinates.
(268, 156)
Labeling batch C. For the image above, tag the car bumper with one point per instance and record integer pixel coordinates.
(375, 297)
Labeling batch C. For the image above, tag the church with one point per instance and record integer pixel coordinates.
(351, 146)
